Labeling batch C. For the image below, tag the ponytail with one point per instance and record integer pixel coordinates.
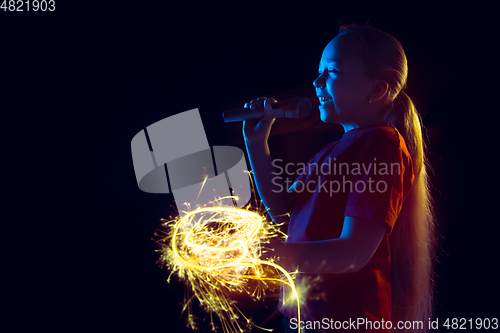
(412, 239)
(403, 114)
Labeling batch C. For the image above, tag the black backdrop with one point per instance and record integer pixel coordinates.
(86, 78)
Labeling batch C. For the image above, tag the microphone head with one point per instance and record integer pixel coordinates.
(304, 106)
(296, 107)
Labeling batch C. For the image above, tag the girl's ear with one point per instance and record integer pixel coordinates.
(379, 90)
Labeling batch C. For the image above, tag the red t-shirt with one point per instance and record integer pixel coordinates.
(368, 173)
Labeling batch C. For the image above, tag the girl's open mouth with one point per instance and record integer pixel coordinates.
(325, 100)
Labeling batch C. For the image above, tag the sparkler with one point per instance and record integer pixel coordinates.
(216, 250)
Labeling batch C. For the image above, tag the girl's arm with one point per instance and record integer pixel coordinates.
(278, 203)
(358, 242)
(256, 133)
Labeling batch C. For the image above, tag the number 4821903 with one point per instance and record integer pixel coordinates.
(28, 5)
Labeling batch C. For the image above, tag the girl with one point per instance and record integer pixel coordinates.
(360, 229)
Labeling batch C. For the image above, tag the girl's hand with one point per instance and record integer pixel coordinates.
(259, 129)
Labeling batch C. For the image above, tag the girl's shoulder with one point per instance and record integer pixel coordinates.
(385, 132)
(381, 141)
(384, 137)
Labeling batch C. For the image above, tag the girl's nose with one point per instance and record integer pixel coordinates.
(319, 82)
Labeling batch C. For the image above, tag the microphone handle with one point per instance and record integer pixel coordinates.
(242, 114)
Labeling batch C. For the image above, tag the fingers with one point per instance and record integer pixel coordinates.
(255, 103)
(269, 100)
(268, 110)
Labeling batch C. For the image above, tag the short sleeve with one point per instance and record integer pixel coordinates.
(380, 178)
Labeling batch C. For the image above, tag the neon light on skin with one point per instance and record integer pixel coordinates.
(226, 255)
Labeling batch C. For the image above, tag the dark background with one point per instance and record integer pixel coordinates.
(82, 81)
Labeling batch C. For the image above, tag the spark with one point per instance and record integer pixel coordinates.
(217, 250)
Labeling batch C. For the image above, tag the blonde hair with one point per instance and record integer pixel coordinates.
(412, 242)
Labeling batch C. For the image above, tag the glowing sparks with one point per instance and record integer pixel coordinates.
(217, 250)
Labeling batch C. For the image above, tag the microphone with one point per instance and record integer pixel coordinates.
(296, 107)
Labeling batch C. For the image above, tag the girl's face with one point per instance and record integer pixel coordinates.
(343, 88)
